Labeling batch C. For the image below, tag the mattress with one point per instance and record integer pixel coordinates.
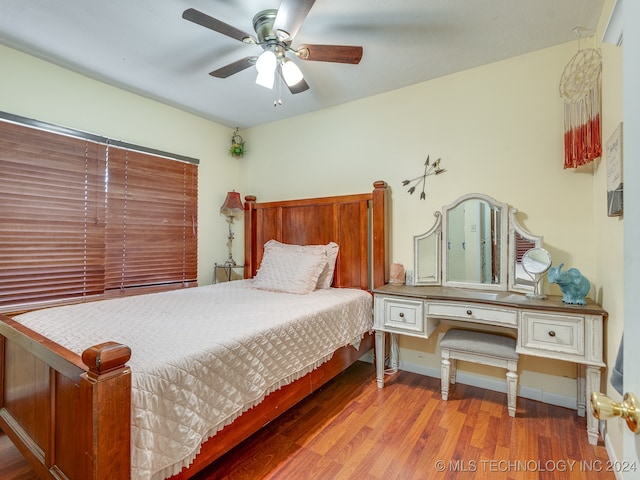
(203, 356)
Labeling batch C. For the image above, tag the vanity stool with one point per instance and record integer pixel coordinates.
(479, 347)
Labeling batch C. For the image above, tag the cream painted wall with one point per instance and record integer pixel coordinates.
(498, 129)
(36, 89)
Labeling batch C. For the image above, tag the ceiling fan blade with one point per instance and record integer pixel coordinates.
(216, 25)
(299, 87)
(290, 17)
(235, 67)
(330, 53)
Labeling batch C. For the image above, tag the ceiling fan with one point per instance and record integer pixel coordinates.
(275, 30)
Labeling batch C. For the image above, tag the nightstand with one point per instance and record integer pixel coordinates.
(224, 273)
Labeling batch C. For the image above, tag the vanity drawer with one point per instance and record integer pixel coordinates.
(399, 315)
(552, 333)
(473, 312)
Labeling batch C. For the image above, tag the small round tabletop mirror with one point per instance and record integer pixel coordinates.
(536, 262)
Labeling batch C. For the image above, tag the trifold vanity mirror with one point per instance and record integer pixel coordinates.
(475, 243)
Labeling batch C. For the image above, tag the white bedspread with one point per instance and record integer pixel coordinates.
(203, 356)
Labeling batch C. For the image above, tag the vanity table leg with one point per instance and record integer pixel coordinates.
(592, 380)
(380, 354)
(394, 353)
(581, 393)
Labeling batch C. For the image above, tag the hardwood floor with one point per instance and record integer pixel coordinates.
(350, 429)
(13, 466)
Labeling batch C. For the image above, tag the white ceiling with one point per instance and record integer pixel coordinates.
(145, 46)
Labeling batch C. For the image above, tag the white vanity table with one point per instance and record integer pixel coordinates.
(453, 286)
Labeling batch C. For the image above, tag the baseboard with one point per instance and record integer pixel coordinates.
(368, 357)
(613, 460)
(488, 383)
(496, 385)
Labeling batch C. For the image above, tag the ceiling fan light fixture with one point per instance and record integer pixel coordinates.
(266, 79)
(267, 62)
(266, 67)
(291, 72)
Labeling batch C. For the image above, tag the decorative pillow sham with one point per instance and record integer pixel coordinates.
(326, 277)
(330, 250)
(287, 271)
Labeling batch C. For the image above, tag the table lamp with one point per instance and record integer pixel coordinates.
(232, 208)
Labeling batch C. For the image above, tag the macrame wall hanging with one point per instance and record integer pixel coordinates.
(580, 87)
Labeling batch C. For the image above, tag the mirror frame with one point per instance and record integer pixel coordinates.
(538, 273)
(503, 209)
(509, 230)
(516, 228)
(436, 231)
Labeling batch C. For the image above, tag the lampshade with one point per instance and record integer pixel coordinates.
(266, 61)
(232, 206)
(266, 79)
(266, 67)
(291, 72)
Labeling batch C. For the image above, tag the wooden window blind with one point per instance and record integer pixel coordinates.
(79, 218)
(522, 245)
(51, 225)
(151, 220)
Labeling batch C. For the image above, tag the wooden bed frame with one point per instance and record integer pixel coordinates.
(70, 415)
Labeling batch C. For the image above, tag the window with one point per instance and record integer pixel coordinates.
(80, 217)
(151, 223)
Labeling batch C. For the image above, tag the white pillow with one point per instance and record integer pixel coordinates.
(290, 271)
(326, 277)
(330, 250)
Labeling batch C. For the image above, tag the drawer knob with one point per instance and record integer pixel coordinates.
(401, 315)
(552, 333)
(469, 312)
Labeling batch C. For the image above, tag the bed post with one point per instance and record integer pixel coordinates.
(249, 236)
(380, 240)
(69, 416)
(106, 393)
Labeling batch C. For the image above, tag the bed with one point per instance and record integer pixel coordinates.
(70, 411)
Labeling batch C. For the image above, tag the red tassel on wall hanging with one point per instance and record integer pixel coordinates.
(580, 90)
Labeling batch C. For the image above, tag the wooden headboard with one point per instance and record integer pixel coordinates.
(357, 223)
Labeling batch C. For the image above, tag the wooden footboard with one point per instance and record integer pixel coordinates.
(69, 416)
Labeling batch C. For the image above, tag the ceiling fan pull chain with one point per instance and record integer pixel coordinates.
(279, 100)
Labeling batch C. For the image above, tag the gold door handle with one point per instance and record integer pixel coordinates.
(603, 408)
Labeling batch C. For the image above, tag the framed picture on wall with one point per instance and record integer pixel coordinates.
(614, 173)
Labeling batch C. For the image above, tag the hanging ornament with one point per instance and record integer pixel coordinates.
(237, 145)
(580, 88)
